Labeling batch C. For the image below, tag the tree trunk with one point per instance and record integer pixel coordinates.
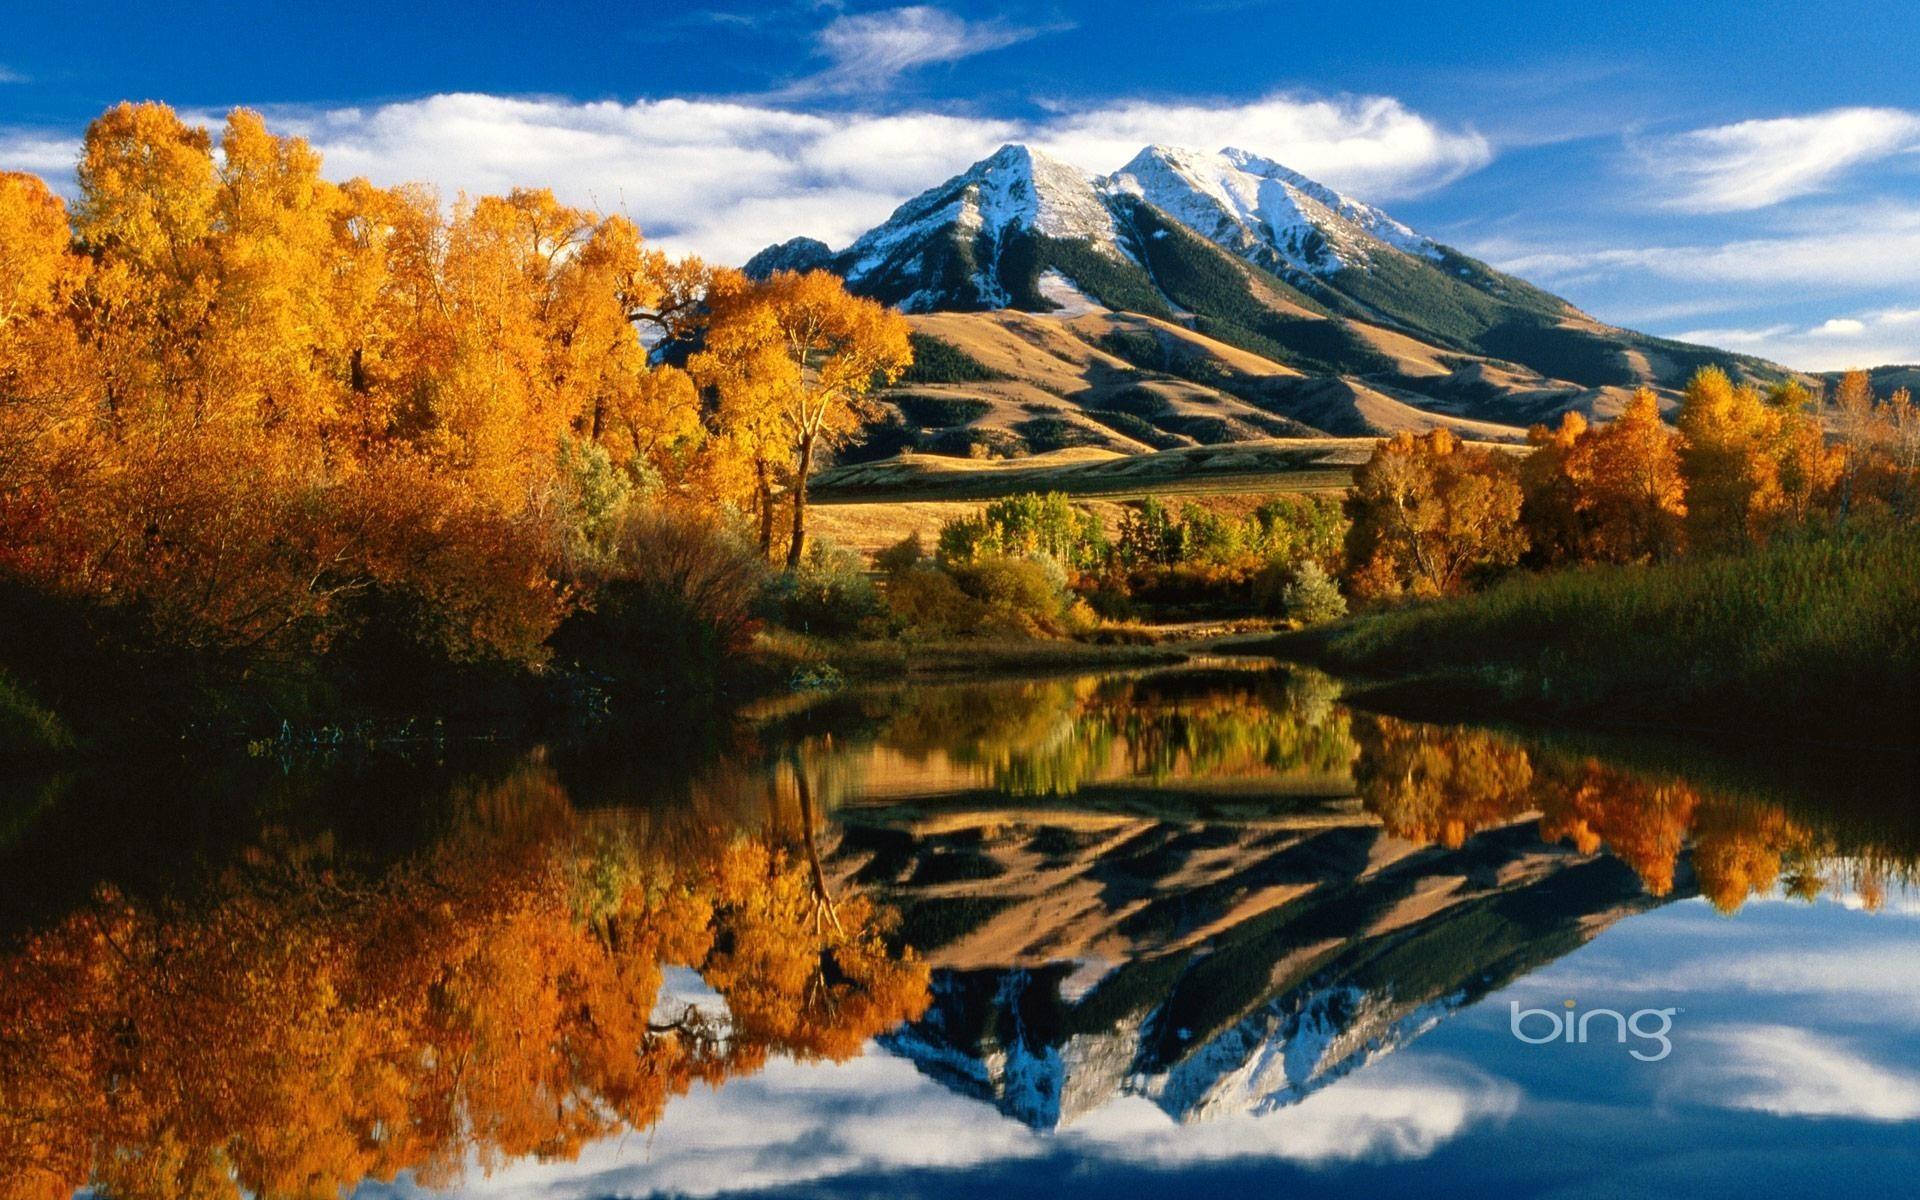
(822, 896)
(805, 468)
(764, 484)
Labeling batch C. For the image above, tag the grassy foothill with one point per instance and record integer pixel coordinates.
(1814, 634)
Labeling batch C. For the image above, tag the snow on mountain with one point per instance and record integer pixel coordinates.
(1288, 1050)
(952, 246)
(1264, 212)
(1017, 189)
(1274, 1057)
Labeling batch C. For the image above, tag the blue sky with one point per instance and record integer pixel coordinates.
(1746, 173)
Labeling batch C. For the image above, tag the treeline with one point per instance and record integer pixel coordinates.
(1432, 517)
(1754, 565)
(253, 420)
(1034, 565)
(1428, 516)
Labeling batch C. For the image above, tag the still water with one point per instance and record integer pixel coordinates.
(1168, 932)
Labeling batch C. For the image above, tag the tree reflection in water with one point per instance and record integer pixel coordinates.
(1441, 784)
(300, 1022)
(291, 1028)
(1430, 784)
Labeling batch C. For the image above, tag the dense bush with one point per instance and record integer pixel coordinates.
(940, 412)
(674, 597)
(1137, 401)
(1048, 433)
(1311, 596)
(1021, 595)
(1029, 524)
(936, 360)
(828, 594)
(1288, 528)
(928, 602)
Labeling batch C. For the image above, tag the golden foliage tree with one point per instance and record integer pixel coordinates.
(1606, 493)
(1750, 461)
(797, 354)
(1427, 512)
(242, 401)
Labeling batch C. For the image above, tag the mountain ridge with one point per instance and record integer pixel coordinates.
(1253, 255)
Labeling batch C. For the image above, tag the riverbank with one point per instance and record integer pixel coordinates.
(1812, 637)
(1118, 646)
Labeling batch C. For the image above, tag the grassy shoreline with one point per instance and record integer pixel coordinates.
(1816, 638)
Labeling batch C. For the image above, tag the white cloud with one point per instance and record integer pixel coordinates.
(870, 48)
(44, 154)
(1398, 1110)
(1837, 344)
(1755, 164)
(719, 178)
(1373, 145)
(1887, 973)
(11, 76)
(1871, 250)
(723, 178)
(792, 1124)
(1792, 1072)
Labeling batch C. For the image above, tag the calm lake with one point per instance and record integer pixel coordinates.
(1167, 932)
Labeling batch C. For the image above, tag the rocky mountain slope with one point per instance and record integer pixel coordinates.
(1178, 885)
(1255, 302)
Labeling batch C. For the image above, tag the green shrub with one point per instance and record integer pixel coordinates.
(828, 594)
(1028, 524)
(927, 601)
(596, 494)
(1311, 596)
(1023, 596)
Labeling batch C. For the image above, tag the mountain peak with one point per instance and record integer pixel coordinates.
(943, 247)
(1265, 212)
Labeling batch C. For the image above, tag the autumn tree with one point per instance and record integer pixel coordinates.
(1750, 461)
(1879, 441)
(1606, 493)
(1427, 512)
(43, 411)
(263, 411)
(797, 354)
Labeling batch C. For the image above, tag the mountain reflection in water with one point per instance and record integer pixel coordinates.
(1214, 892)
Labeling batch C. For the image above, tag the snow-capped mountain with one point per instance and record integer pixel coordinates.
(1241, 249)
(1264, 212)
(948, 247)
(1251, 206)
(1018, 1038)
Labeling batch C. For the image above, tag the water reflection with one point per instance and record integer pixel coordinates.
(1204, 893)
(291, 1028)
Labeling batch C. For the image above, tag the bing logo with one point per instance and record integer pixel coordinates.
(1539, 1026)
